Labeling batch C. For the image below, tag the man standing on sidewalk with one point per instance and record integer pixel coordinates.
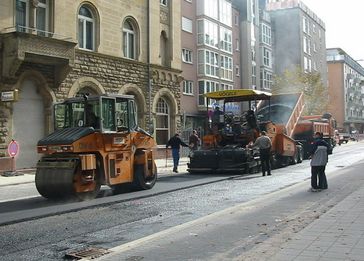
(264, 144)
(319, 158)
(175, 143)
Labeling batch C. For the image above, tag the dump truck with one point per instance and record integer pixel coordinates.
(284, 112)
(96, 142)
(307, 126)
(228, 134)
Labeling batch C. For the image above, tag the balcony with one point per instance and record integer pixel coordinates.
(20, 47)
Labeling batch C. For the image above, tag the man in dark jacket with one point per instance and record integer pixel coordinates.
(175, 143)
(319, 158)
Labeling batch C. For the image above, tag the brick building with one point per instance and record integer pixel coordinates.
(210, 55)
(51, 50)
(346, 90)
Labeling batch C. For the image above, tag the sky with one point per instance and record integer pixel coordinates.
(343, 21)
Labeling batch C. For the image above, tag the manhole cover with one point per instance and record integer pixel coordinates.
(89, 253)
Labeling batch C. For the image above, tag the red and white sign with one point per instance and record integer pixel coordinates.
(13, 148)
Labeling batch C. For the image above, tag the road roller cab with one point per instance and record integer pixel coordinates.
(96, 142)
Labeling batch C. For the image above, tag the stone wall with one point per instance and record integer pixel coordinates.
(112, 73)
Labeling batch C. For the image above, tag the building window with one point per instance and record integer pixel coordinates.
(254, 76)
(86, 29)
(224, 87)
(188, 87)
(237, 70)
(162, 122)
(208, 8)
(306, 25)
(42, 17)
(186, 55)
(266, 34)
(236, 19)
(129, 39)
(208, 63)
(205, 87)
(307, 45)
(315, 66)
(226, 64)
(267, 57)
(186, 24)
(207, 33)
(22, 15)
(266, 80)
(237, 45)
(226, 41)
(164, 2)
(225, 15)
(307, 64)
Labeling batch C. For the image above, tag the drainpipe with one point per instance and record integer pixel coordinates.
(150, 123)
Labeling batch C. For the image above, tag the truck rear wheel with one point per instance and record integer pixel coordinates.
(143, 181)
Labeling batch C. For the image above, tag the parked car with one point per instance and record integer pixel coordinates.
(343, 138)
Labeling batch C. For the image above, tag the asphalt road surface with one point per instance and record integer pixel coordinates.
(222, 219)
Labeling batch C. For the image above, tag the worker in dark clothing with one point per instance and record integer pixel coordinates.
(251, 120)
(91, 119)
(264, 144)
(218, 118)
(175, 143)
(319, 158)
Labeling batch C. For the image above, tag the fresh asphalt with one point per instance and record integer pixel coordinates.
(15, 211)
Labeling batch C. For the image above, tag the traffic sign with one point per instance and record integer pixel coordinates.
(13, 148)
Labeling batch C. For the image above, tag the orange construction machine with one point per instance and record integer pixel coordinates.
(228, 133)
(96, 142)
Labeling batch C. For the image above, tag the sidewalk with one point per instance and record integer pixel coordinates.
(27, 176)
(336, 235)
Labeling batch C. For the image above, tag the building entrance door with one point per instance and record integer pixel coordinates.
(28, 124)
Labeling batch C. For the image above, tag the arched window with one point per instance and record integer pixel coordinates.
(86, 29)
(162, 122)
(86, 90)
(129, 39)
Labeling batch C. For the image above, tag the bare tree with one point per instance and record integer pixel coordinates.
(314, 92)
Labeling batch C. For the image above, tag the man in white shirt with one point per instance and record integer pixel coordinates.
(264, 144)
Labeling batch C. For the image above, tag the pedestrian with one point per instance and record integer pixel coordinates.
(175, 143)
(319, 158)
(194, 141)
(264, 144)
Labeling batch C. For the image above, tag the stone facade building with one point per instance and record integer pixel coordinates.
(51, 50)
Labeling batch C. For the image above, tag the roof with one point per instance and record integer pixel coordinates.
(238, 95)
